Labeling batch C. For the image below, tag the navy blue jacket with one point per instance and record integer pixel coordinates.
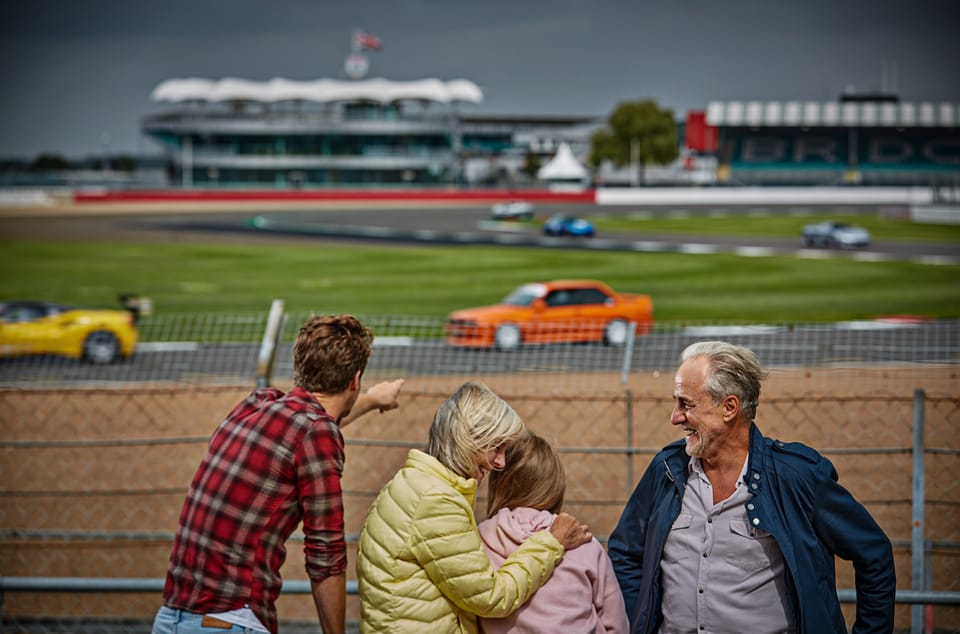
(796, 498)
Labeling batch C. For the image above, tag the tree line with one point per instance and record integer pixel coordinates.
(52, 162)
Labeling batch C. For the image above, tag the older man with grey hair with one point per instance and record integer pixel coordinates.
(730, 531)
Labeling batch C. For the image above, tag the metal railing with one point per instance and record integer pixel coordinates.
(293, 586)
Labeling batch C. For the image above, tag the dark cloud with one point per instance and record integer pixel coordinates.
(77, 75)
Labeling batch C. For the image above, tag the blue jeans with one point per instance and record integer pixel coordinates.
(170, 621)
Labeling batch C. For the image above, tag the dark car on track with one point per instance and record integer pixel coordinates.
(835, 234)
(564, 225)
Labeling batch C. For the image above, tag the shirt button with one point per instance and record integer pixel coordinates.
(756, 476)
(709, 520)
(703, 627)
(700, 590)
(704, 554)
(756, 521)
(749, 507)
(754, 486)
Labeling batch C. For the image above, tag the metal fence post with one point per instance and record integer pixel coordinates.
(917, 545)
(628, 401)
(269, 344)
(628, 353)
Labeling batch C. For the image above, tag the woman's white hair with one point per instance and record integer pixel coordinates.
(471, 420)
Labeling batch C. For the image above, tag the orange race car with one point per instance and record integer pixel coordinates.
(560, 311)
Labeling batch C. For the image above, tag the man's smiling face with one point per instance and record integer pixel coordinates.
(695, 412)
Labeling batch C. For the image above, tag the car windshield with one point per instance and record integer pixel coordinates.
(524, 295)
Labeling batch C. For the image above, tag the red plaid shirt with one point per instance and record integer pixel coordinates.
(276, 460)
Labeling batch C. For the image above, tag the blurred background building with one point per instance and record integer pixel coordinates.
(871, 139)
(368, 133)
(329, 133)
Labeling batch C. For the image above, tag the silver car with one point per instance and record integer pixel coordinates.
(835, 234)
(513, 210)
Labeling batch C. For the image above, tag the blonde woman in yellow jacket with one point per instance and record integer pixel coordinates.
(421, 566)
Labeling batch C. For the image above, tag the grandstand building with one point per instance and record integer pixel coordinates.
(376, 132)
(330, 133)
(860, 139)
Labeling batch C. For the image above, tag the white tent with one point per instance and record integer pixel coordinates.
(564, 166)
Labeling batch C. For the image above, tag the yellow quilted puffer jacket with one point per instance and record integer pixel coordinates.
(421, 566)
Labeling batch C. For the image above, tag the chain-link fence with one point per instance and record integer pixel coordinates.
(96, 459)
(204, 349)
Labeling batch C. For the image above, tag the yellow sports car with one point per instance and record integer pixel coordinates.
(98, 336)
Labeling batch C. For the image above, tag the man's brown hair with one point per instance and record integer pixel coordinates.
(329, 352)
(533, 477)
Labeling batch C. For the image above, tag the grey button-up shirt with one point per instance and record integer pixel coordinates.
(720, 573)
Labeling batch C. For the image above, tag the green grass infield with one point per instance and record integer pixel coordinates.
(432, 281)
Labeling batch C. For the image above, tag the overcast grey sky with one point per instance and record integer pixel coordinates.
(77, 74)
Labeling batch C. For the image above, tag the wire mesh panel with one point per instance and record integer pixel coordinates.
(865, 354)
(96, 460)
(179, 348)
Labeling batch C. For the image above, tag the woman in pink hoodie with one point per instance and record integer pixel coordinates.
(582, 596)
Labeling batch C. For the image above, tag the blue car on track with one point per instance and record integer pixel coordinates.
(564, 225)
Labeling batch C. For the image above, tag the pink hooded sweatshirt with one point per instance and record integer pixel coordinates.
(581, 597)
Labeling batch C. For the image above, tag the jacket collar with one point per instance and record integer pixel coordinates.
(422, 461)
(676, 462)
(757, 456)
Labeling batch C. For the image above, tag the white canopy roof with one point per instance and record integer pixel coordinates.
(564, 165)
(320, 90)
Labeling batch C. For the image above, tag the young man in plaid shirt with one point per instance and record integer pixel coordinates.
(276, 461)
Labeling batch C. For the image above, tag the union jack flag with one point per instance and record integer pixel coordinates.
(365, 41)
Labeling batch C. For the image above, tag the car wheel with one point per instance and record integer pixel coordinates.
(615, 334)
(507, 337)
(101, 347)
